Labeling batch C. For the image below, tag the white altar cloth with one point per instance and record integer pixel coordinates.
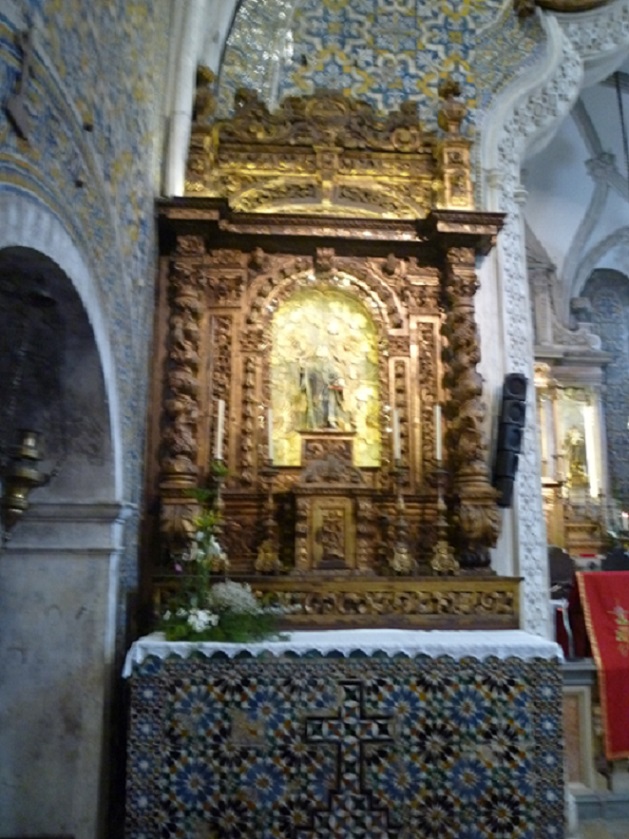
(458, 644)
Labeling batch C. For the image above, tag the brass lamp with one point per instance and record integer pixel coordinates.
(19, 477)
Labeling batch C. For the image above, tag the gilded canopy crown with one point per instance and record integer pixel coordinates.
(330, 154)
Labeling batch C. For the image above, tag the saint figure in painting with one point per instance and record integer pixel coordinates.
(322, 388)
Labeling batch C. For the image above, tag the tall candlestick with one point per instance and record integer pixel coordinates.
(220, 430)
(438, 441)
(397, 443)
(269, 431)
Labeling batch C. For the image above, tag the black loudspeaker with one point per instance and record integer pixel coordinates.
(510, 437)
(505, 491)
(514, 386)
(513, 410)
(506, 464)
(510, 434)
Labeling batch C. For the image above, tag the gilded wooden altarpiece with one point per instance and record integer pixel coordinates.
(317, 285)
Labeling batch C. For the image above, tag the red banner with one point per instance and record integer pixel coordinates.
(605, 600)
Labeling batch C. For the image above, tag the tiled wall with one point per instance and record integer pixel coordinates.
(91, 157)
(383, 52)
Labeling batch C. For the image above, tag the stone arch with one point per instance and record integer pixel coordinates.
(27, 224)
(522, 119)
(50, 377)
(59, 571)
(595, 256)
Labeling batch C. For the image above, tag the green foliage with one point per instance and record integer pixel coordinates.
(207, 608)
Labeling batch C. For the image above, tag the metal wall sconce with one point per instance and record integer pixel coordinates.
(19, 477)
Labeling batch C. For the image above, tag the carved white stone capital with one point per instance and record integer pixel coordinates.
(520, 195)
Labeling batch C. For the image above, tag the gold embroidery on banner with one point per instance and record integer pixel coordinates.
(622, 628)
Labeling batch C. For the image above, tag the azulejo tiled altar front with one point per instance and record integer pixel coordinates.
(319, 740)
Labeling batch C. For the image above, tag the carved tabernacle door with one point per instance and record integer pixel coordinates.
(315, 334)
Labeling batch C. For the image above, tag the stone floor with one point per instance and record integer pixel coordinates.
(599, 829)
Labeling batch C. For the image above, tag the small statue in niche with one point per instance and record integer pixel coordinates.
(331, 537)
(452, 112)
(574, 443)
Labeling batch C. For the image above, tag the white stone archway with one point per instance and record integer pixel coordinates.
(581, 48)
(59, 570)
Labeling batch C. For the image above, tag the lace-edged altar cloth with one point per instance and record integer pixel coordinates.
(457, 644)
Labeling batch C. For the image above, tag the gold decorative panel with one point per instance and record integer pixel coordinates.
(324, 373)
(333, 534)
(334, 340)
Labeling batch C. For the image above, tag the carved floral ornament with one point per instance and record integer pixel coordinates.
(333, 155)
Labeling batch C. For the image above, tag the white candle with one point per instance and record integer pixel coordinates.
(269, 431)
(220, 430)
(438, 442)
(397, 443)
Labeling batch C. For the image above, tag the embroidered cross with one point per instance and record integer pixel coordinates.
(15, 108)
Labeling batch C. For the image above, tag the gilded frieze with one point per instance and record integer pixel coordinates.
(329, 154)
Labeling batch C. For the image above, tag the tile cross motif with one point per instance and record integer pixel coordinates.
(351, 809)
(350, 730)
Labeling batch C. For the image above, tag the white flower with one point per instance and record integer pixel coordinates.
(233, 597)
(202, 619)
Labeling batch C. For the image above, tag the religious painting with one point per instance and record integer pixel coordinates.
(578, 440)
(324, 374)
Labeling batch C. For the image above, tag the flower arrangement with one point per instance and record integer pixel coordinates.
(207, 609)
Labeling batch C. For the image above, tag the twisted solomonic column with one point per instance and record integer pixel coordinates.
(474, 515)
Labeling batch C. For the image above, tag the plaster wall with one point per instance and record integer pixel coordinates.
(603, 108)
(56, 658)
(612, 218)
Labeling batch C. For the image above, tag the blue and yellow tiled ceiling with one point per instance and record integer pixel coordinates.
(382, 51)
